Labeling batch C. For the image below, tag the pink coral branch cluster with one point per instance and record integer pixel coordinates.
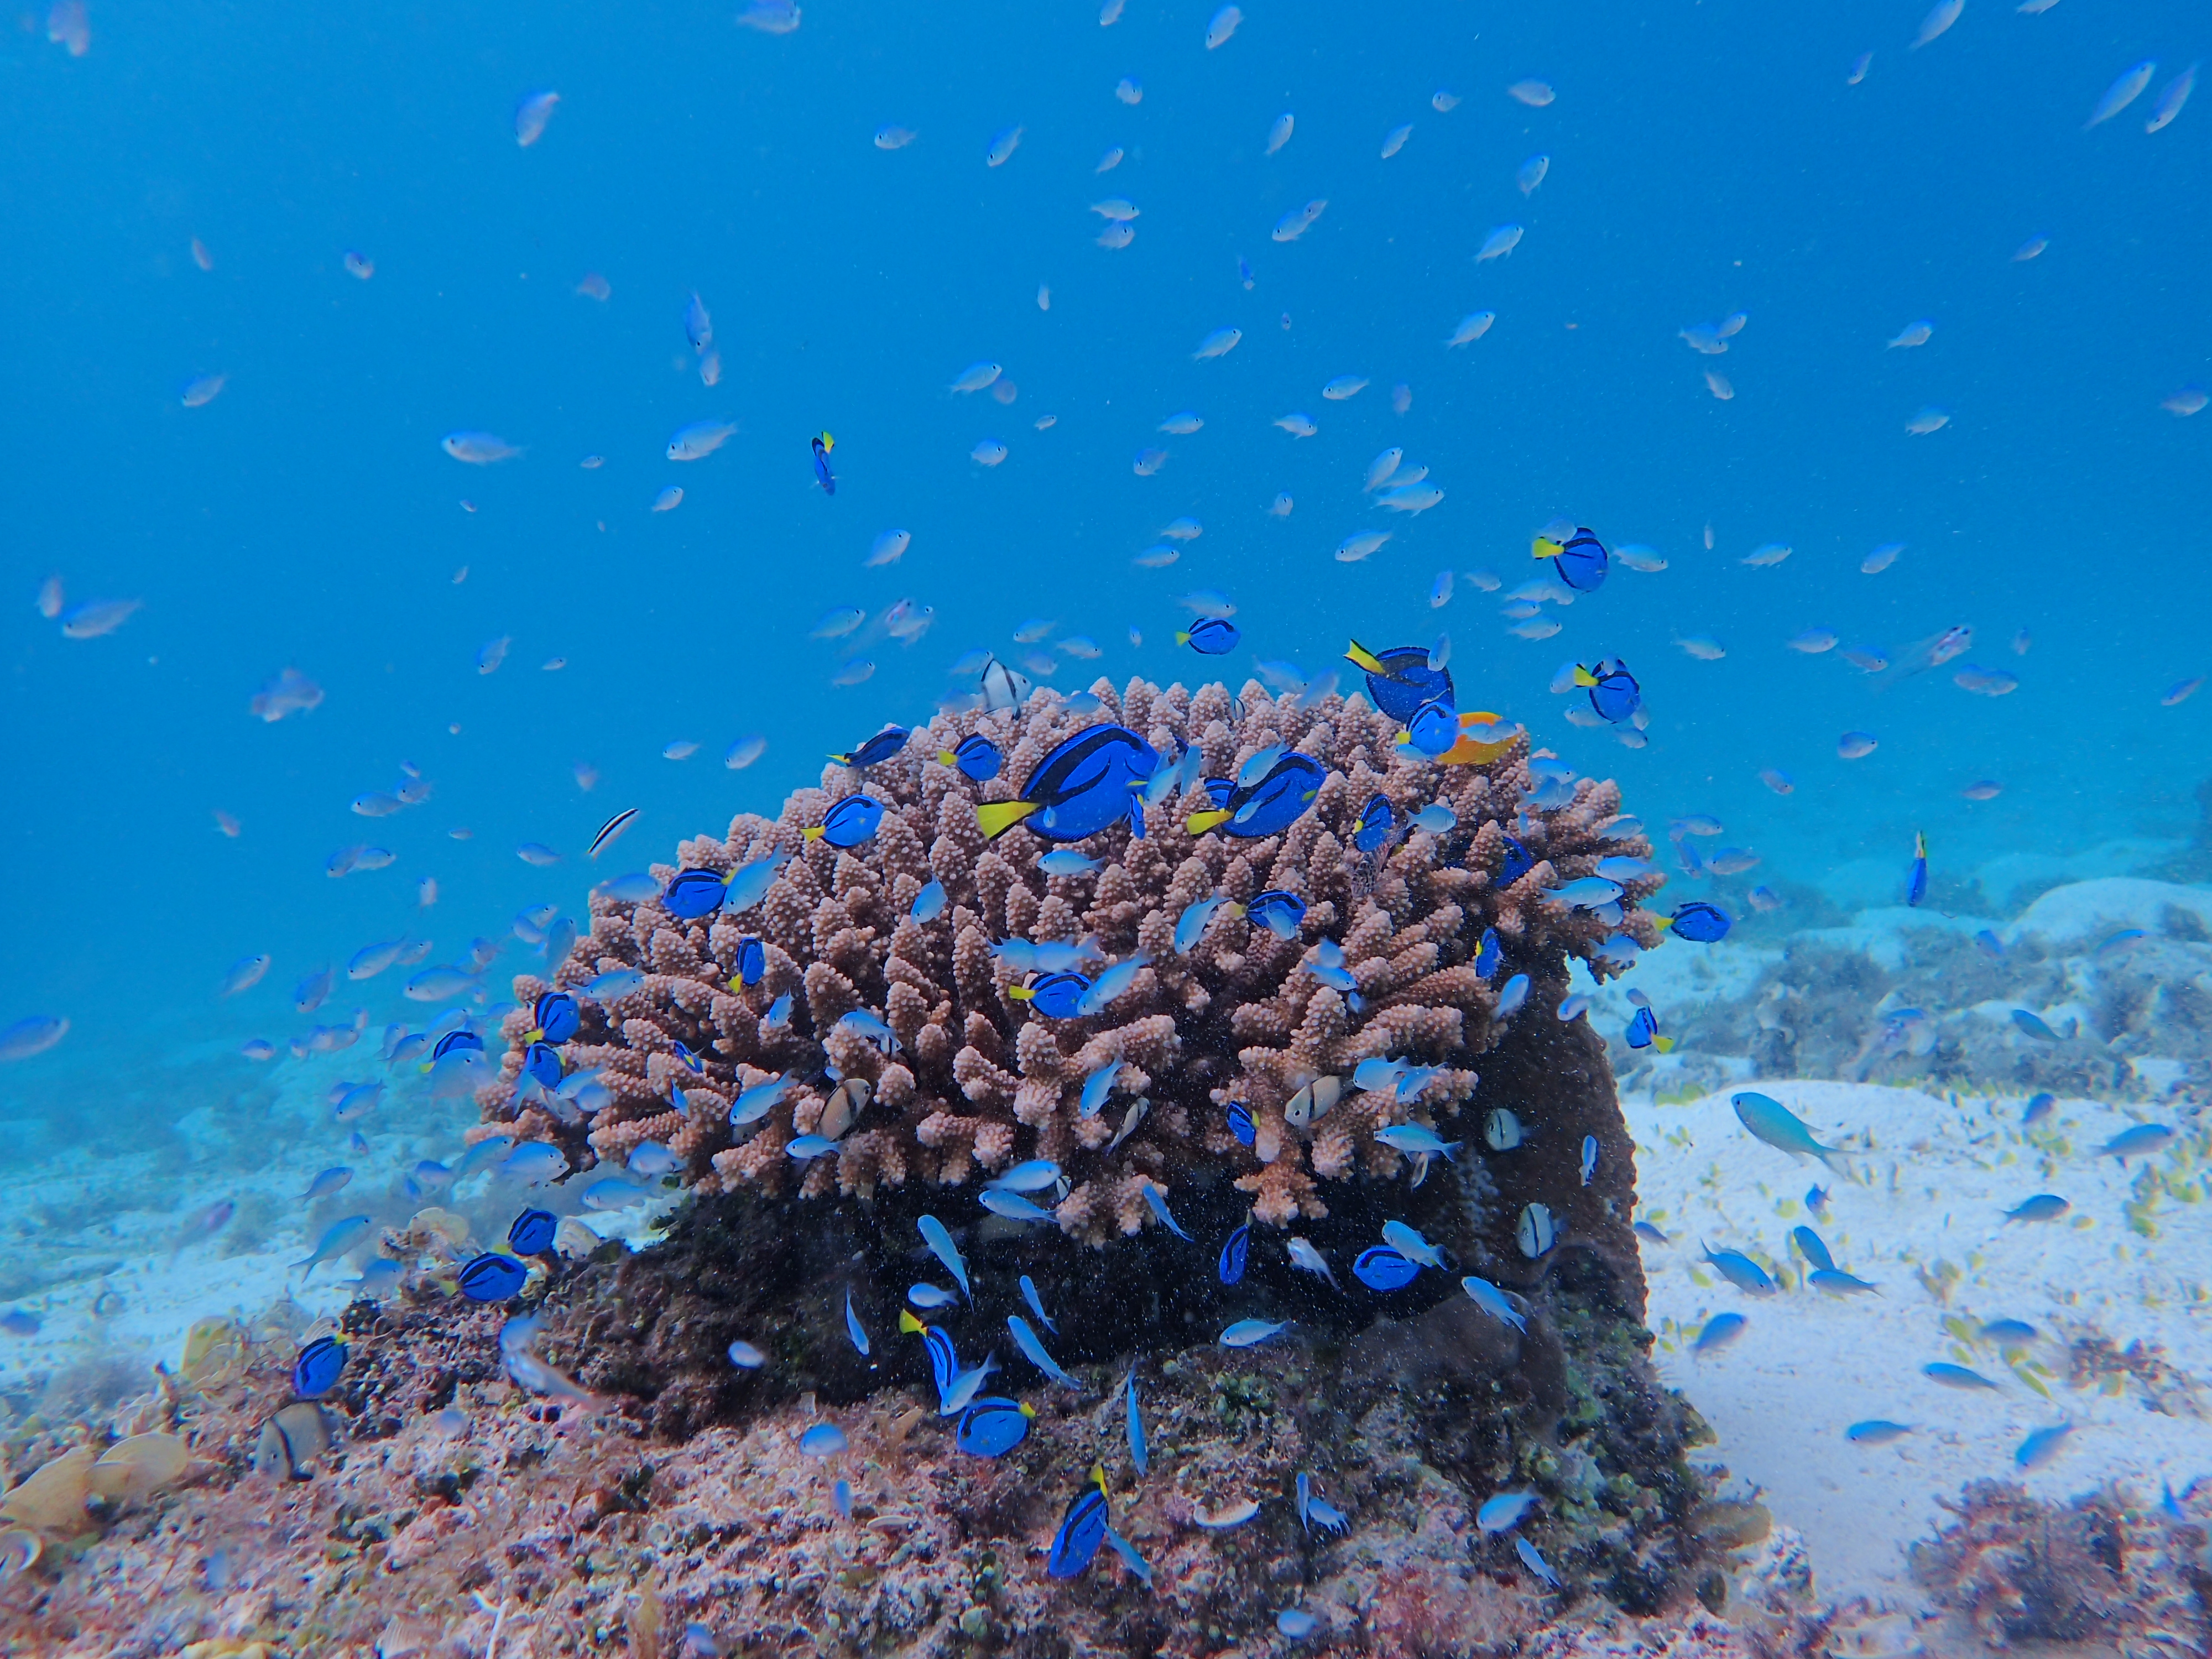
(971, 1078)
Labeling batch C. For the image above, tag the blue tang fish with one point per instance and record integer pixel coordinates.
(1643, 1032)
(751, 962)
(1376, 823)
(1400, 680)
(992, 1426)
(1382, 1268)
(1434, 728)
(1579, 556)
(1083, 785)
(877, 750)
(1057, 996)
(446, 1044)
(1613, 692)
(822, 443)
(1233, 1254)
(1269, 806)
(1915, 879)
(691, 894)
(1082, 1529)
(1240, 1123)
(979, 759)
(1278, 912)
(1699, 922)
(493, 1278)
(851, 822)
(1489, 955)
(944, 1359)
(532, 1232)
(1210, 636)
(554, 1017)
(316, 1371)
(542, 1062)
(1516, 863)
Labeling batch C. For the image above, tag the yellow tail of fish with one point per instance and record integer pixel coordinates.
(827, 442)
(1544, 548)
(1182, 638)
(1583, 678)
(997, 817)
(812, 832)
(1020, 993)
(909, 1325)
(1665, 1045)
(946, 758)
(1361, 657)
(1198, 823)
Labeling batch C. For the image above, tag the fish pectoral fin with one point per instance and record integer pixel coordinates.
(997, 817)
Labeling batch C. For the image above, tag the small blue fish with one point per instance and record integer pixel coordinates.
(2043, 1206)
(1056, 995)
(1645, 1229)
(1719, 1331)
(1589, 1159)
(1032, 1176)
(1834, 1281)
(1280, 913)
(1240, 1123)
(320, 1364)
(330, 1180)
(877, 750)
(1536, 1563)
(1915, 879)
(1297, 1623)
(1779, 1127)
(2008, 1332)
(1503, 1513)
(1816, 1201)
(1955, 1376)
(2032, 1025)
(1036, 1304)
(339, 1237)
(1436, 819)
(493, 1278)
(822, 1440)
(1418, 1139)
(1876, 1431)
(1233, 1255)
(1211, 636)
(2140, 1141)
(1191, 925)
(992, 1426)
(1082, 1529)
(929, 903)
(926, 1295)
(853, 1327)
(532, 1232)
(1811, 1246)
(746, 1356)
(1517, 862)
(1493, 1302)
(1512, 994)
(1098, 1086)
(1066, 861)
(1012, 1206)
(851, 822)
(977, 757)
(2040, 1447)
(942, 1246)
(2038, 1107)
(1989, 944)
(807, 1148)
(1135, 1563)
(1741, 1270)
(757, 1103)
(842, 1495)
(1376, 823)
(1383, 1268)
(1138, 1455)
(1409, 1243)
(1251, 1332)
(1158, 1199)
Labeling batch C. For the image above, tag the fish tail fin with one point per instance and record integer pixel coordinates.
(909, 1325)
(1234, 910)
(1198, 823)
(1544, 548)
(829, 442)
(1028, 1410)
(1583, 676)
(1360, 657)
(1919, 844)
(535, 1035)
(1020, 993)
(1181, 638)
(1665, 1045)
(997, 817)
(946, 758)
(812, 832)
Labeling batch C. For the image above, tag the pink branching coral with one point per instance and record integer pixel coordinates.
(978, 1077)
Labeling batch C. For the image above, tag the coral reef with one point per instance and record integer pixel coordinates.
(2097, 1569)
(977, 1079)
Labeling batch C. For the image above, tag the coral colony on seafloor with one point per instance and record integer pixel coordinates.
(1318, 1347)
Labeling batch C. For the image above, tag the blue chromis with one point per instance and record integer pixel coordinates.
(1400, 680)
(1579, 556)
(2043, 1206)
(1718, 1332)
(493, 1276)
(992, 1426)
(1082, 1529)
(1086, 783)
(1210, 636)
(823, 443)
(532, 1232)
(1699, 922)
(1779, 1127)
(1876, 1431)
(977, 758)
(1376, 823)
(1811, 1246)
(877, 750)
(1613, 692)
(1741, 1270)
(320, 1364)
(1915, 879)
(851, 822)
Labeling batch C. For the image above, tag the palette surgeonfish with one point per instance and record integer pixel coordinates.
(1082, 1529)
(877, 748)
(1579, 556)
(1269, 806)
(1613, 692)
(1083, 785)
(977, 758)
(851, 822)
(692, 894)
(1400, 680)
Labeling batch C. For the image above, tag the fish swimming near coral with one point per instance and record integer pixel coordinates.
(1779, 1127)
(1082, 786)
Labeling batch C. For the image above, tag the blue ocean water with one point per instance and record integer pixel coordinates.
(1703, 160)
